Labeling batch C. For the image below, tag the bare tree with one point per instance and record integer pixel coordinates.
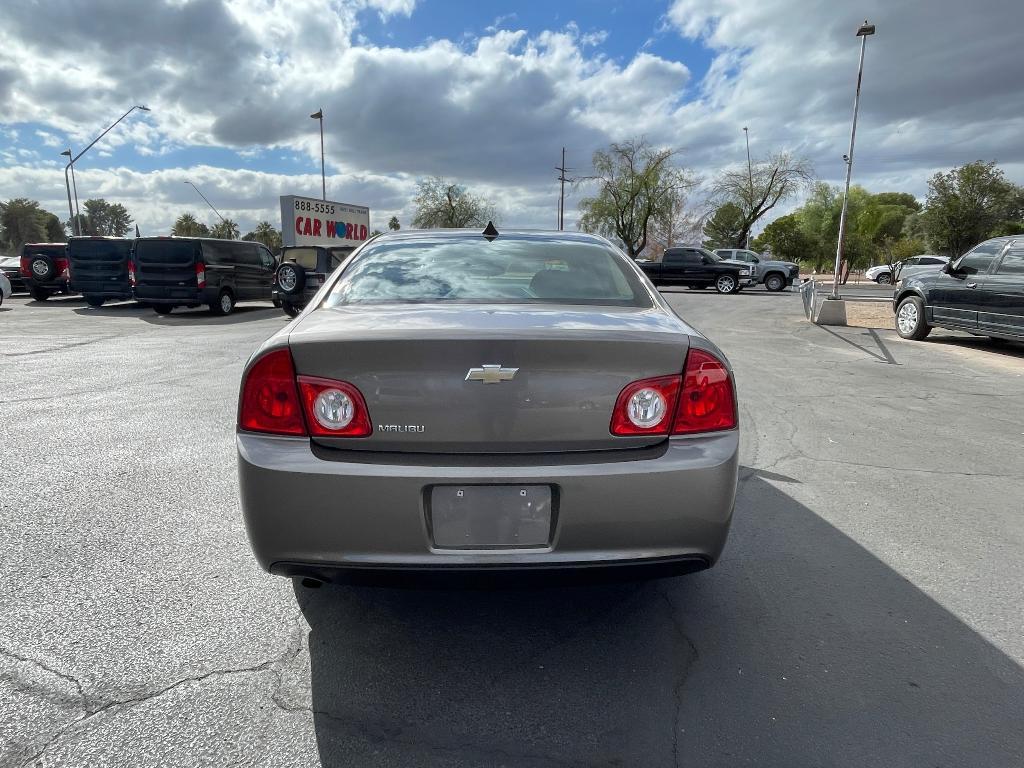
(675, 225)
(636, 185)
(770, 182)
(443, 204)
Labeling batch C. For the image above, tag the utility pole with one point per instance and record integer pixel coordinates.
(750, 177)
(562, 178)
(863, 33)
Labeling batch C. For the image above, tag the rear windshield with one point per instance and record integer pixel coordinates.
(508, 270)
(100, 249)
(304, 257)
(165, 251)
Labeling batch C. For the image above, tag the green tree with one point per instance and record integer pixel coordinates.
(725, 229)
(965, 205)
(636, 185)
(23, 221)
(107, 219)
(225, 229)
(894, 251)
(756, 192)
(443, 204)
(788, 240)
(267, 234)
(186, 225)
(393, 224)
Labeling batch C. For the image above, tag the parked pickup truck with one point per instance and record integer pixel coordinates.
(696, 268)
(775, 275)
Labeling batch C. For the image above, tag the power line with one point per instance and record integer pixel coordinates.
(562, 178)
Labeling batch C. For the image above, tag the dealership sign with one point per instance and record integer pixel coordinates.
(309, 221)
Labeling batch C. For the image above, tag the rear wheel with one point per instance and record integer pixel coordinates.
(290, 309)
(163, 309)
(225, 304)
(94, 301)
(726, 284)
(910, 323)
(884, 279)
(774, 282)
(39, 294)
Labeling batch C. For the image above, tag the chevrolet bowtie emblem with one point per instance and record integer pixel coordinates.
(491, 374)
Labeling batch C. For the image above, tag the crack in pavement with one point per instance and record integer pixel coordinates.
(91, 714)
(684, 676)
(27, 687)
(59, 347)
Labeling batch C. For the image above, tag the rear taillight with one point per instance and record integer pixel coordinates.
(24, 269)
(275, 401)
(131, 273)
(701, 400)
(270, 399)
(708, 402)
(646, 407)
(333, 408)
(200, 274)
(63, 267)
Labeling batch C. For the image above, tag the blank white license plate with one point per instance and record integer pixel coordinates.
(490, 516)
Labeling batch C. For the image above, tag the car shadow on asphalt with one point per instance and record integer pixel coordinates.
(1012, 349)
(800, 647)
(190, 318)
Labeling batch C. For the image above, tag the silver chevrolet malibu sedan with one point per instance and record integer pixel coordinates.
(453, 400)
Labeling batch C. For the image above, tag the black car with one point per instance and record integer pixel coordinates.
(302, 271)
(169, 272)
(982, 293)
(99, 268)
(44, 266)
(696, 268)
(10, 266)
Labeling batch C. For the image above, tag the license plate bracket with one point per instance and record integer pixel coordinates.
(490, 516)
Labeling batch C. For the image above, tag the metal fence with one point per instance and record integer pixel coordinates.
(809, 294)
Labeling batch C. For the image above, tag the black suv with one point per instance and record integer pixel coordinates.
(170, 272)
(697, 268)
(303, 271)
(99, 268)
(45, 268)
(982, 293)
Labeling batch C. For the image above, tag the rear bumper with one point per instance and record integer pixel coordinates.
(105, 289)
(174, 296)
(309, 515)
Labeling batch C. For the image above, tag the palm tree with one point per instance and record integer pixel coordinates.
(267, 234)
(186, 225)
(226, 229)
(393, 223)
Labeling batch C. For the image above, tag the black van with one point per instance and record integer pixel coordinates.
(45, 269)
(170, 272)
(99, 268)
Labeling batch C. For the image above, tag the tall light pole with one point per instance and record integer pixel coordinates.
(71, 211)
(223, 220)
(319, 115)
(562, 178)
(863, 33)
(750, 177)
(73, 160)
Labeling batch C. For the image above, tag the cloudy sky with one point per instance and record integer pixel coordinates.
(486, 93)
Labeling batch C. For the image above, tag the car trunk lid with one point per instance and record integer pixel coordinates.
(426, 372)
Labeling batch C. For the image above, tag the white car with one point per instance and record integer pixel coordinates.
(926, 262)
(5, 287)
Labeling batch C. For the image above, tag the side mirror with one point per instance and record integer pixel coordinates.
(948, 268)
(705, 260)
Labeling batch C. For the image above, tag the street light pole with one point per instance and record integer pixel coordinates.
(750, 177)
(71, 211)
(223, 220)
(319, 115)
(73, 160)
(863, 33)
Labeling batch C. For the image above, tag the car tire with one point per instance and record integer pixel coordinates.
(276, 301)
(39, 294)
(726, 284)
(225, 304)
(42, 267)
(774, 282)
(291, 278)
(884, 279)
(910, 322)
(163, 309)
(290, 309)
(94, 301)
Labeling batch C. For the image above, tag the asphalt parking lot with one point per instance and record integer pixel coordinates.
(867, 610)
